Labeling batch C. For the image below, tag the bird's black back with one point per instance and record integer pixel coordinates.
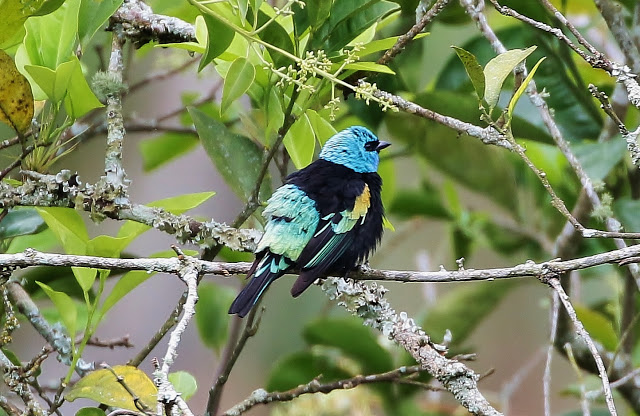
(335, 188)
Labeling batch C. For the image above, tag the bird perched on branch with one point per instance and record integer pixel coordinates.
(326, 218)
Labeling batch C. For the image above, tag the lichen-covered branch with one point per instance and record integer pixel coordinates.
(366, 300)
(66, 190)
(141, 25)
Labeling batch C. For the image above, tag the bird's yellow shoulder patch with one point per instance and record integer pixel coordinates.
(362, 203)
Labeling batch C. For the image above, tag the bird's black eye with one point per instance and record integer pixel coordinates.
(371, 146)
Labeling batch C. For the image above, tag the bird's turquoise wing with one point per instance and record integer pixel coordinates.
(292, 220)
(333, 236)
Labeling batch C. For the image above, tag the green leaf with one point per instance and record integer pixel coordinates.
(237, 158)
(238, 80)
(322, 129)
(347, 20)
(353, 339)
(302, 367)
(16, 99)
(425, 202)
(90, 411)
(131, 280)
(383, 44)
(68, 226)
(71, 232)
(318, 11)
(212, 318)
(184, 383)
(300, 142)
(21, 222)
(219, 37)
(274, 34)
(523, 87)
(598, 159)
(474, 70)
(598, 326)
(12, 356)
(50, 40)
(162, 149)
(628, 212)
(65, 307)
(497, 70)
(102, 386)
(367, 66)
(53, 83)
(462, 309)
(79, 99)
(43, 241)
(574, 108)
(93, 14)
(176, 205)
(107, 246)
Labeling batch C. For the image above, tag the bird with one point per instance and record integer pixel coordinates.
(326, 217)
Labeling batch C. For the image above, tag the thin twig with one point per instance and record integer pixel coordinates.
(260, 396)
(215, 393)
(554, 282)
(404, 40)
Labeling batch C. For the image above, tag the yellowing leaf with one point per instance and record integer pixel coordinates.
(16, 99)
(103, 387)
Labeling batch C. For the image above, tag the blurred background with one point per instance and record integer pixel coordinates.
(447, 196)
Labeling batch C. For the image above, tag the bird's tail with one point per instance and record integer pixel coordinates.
(264, 271)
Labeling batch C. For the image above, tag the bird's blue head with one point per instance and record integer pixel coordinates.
(356, 148)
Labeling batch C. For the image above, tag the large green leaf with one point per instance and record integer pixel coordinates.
(628, 212)
(353, 339)
(347, 20)
(158, 151)
(16, 12)
(276, 35)
(300, 142)
(212, 317)
(219, 37)
(21, 222)
(51, 39)
(93, 14)
(68, 226)
(237, 158)
(425, 201)
(599, 158)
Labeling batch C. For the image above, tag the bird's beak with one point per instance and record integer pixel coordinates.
(382, 145)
